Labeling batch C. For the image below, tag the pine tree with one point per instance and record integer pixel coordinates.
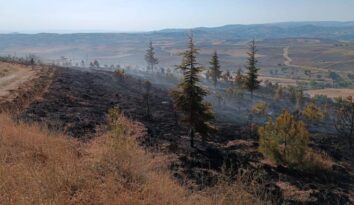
(251, 78)
(214, 69)
(227, 76)
(239, 79)
(284, 140)
(150, 58)
(188, 97)
(96, 63)
(313, 113)
(252, 82)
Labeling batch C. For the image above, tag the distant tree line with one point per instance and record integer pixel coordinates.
(30, 59)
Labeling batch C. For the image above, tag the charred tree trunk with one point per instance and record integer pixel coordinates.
(191, 136)
(148, 114)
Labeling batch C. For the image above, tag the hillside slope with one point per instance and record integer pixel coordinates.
(40, 167)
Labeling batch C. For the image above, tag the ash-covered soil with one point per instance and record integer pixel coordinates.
(78, 100)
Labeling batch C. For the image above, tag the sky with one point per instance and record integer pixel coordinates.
(148, 15)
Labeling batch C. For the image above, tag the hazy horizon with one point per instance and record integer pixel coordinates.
(68, 31)
(72, 16)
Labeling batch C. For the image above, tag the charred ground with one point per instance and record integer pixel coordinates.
(77, 102)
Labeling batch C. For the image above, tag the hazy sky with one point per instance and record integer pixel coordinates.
(143, 15)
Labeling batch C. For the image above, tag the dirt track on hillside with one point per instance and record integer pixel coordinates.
(13, 76)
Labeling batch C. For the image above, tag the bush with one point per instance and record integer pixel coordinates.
(285, 140)
(260, 108)
(312, 112)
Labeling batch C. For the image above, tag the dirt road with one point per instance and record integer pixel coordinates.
(288, 60)
(12, 76)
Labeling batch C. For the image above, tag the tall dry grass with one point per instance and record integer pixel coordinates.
(39, 167)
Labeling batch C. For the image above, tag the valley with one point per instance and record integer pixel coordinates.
(77, 101)
(129, 123)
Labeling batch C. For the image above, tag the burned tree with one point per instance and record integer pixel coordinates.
(345, 119)
(32, 63)
(150, 58)
(239, 79)
(95, 64)
(147, 86)
(188, 97)
(214, 70)
(279, 93)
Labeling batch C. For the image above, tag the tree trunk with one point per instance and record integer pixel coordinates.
(351, 128)
(251, 115)
(148, 108)
(176, 118)
(191, 135)
(285, 147)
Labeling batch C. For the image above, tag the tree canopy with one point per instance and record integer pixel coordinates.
(150, 58)
(188, 97)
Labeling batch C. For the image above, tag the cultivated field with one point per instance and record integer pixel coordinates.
(331, 92)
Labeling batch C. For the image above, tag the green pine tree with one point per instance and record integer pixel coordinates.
(251, 79)
(251, 82)
(188, 97)
(214, 70)
(150, 58)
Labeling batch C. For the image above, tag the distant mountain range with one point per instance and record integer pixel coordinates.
(323, 29)
(129, 48)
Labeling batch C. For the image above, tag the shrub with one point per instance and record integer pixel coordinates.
(120, 73)
(312, 112)
(279, 93)
(285, 140)
(260, 108)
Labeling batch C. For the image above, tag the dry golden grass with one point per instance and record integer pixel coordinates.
(36, 167)
(331, 92)
(39, 167)
(317, 161)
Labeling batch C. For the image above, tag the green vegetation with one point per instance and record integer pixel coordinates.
(150, 58)
(260, 108)
(285, 140)
(313, 112)
(188, 97)
(214, 70)
(251, 80)
(296, 96)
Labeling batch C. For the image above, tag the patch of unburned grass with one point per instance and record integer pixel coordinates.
(39, 167)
